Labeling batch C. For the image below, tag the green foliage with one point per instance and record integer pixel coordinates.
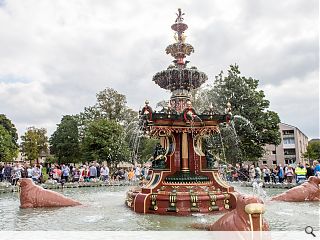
(104, 140)
(9, 126)
(9, 148)
(51, 159)
(248, 102)
(146, 149)
(34, 142)
(313, 151)
(110, 105)
(64, 142)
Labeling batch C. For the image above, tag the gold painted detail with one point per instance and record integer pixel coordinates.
(226, 201)
(129, 201)
(172, 202)
(153, 199)
(165, 131)
(213, 205)
(194, 202)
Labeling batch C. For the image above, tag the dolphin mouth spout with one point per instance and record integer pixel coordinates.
(255, 208)
(255, 212)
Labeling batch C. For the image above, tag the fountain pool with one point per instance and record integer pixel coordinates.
(104, 209)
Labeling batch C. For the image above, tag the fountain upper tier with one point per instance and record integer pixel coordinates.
(179, 76)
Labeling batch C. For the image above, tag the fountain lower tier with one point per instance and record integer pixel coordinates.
(169, 195)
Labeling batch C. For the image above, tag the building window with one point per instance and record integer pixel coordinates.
(273, 152)
(289, 151)
(264, 162)
(290, 160)
(288, 132)
(274, 162)
(289, 140)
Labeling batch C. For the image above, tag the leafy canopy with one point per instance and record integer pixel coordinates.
(34, 143)
(254, 124)
(9, 148)
(64, 142)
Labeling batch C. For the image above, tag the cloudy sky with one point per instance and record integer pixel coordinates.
(56, 55)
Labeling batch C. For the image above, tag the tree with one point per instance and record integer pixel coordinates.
(104, 140)
(64, 142)
(146, 149)
(254, 125)
(313, 151)
(8, 149)
(8, 139)
(34, 142)
(110, 105)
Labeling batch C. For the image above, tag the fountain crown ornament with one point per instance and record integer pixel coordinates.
(179, 78)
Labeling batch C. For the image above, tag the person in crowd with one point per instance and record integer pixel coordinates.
(75, 174)
(309, 171)
(1, 172)
(65, 172)
(126, 175)
(56, 173)
(36, 173)
(244, 173)
(252, 173)
(146, 173)
(24, 170)
(103, 173)
(235, 173)
(301, 173)
(29, 170)
(16, 174)
(50, 170)
(280, 173)
(229, 173)
(137, 173)
(266, 174)
(131, 175)
(81, 170)
(289, 174)
(92, 171)
(98, 169)
(316, 169)
(274, 174)
(107, 172)
(41, 175)
(142, 171)
(86, 173)
(7, 173)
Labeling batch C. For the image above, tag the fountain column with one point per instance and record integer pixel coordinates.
(185, 153)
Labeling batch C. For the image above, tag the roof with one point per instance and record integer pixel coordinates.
(294, 127)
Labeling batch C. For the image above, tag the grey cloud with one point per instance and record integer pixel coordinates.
(70, 50)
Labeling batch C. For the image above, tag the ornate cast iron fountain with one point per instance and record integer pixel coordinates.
(184, 178)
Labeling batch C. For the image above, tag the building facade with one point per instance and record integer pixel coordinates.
(291, 149)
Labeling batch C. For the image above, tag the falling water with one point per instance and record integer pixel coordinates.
(257, 189)
(246, 121)
(135, 128)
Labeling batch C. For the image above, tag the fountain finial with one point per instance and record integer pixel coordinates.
(179, 15)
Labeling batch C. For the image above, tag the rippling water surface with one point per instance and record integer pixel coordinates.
(104, 209)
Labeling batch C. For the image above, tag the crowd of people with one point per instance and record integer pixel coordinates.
(64, 173)
(94, 171)
(276, 174)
